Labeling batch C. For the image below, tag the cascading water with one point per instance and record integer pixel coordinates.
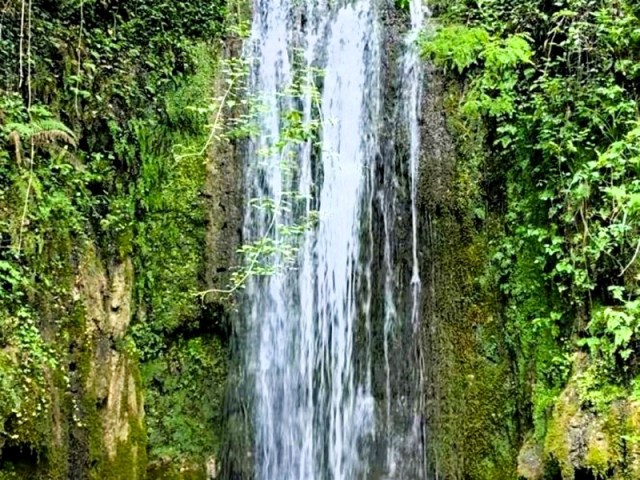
(319, 412)
(403, 425)
(413, 73)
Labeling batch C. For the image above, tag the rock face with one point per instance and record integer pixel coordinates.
(530, 461)
(111, 378)
(223, 191)
(471, 399)
(87, 419)
(583, 440)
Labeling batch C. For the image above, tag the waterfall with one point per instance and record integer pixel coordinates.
(413, 74)
(319, 412)
(403, 380)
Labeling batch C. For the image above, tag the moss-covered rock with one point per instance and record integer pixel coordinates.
(471, 390)
(566, 438)
(104, 196)
(531, 461)
(109, 413)
(600, 438)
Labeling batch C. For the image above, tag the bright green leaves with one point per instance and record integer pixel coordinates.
(495, 91)
(553, 87)
(456, 46)
(287, 217)
(183, 400)
(499, 65)
(403, 5)
(276, 251)
(605, 194)
(611, 212)
(614, 328)
(41, 192)
(512, 52)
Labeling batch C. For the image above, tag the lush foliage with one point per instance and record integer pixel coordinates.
(552, 88)
(185, 401)
(93, 112)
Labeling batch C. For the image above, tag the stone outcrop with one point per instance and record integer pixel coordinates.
(111, 378)
(582, 439)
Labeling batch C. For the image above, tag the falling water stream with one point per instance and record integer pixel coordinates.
(330, 318)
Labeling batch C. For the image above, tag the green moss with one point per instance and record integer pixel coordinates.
(598, 391)
(598, 458)
(474, 436)
(525, 154)
(184, 401)
(543, 399)
(607, 438)
(130, 459)
(178, 337)
(102, 200)
(473, 401)
(556, 441)
(632, 438)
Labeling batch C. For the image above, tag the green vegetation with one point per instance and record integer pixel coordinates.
(550, 91)
(102, 107)
(288, 220)
(118, 122)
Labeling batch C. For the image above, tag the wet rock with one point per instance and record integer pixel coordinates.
(111, 374)
(530, 461)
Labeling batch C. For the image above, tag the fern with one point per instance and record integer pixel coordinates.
(41, 132)
(49, 136)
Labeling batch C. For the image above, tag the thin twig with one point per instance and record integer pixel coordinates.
(79, 58)
(21, 46)
(214, 127)
(635, 256)
(249, 271)
(29, 58)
